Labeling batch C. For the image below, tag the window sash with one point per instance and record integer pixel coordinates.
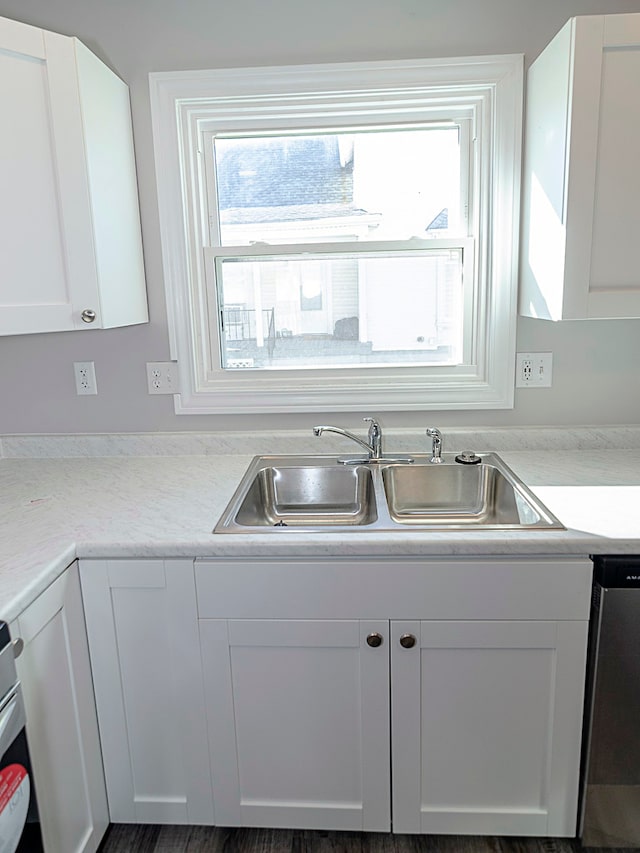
(409, 248)
(465, 122)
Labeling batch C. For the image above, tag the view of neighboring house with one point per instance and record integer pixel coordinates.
(323, 307)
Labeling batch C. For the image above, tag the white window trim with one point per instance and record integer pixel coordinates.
(183, 102)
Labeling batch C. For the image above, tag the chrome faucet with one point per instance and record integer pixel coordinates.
(436, 444)
(373, 447)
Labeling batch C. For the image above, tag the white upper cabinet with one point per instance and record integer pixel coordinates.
(70, 236)
(580, 253)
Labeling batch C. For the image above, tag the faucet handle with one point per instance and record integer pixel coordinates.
(375, 437)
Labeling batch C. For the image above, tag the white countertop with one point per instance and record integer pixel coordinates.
(55, 509)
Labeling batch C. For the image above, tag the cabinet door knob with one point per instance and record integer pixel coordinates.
(374, 640)
(88, 315)
(18, 646)
(407, 641)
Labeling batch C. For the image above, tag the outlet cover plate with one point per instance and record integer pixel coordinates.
(534, 369)
(85, 374)
(162, 377)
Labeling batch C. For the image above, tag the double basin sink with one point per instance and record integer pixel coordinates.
(280, 494)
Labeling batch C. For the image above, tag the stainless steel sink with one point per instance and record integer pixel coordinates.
(277, 493)
(456, 495)
(287, 493)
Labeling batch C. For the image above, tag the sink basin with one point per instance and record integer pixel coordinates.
(454, 495)
(308, 495)
(280, 494)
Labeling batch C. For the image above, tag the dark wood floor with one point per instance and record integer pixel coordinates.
(197, 839)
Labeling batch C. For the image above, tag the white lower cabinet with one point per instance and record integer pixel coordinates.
(143, 639)
(299, 723)
(423, 696)
(483, 723)
(61, 721)
(486, 727)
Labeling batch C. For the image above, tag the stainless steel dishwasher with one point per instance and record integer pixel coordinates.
(610, 803)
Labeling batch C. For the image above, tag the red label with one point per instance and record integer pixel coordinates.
(15, 790)
(11, 778)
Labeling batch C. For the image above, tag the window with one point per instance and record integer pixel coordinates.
(341, 237)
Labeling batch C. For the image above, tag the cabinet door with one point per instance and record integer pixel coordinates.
(35, 289)
(486, 727)
(69, 221)
(298, 715)
(614, 96)
(580, 254)
(143, 641)
(61, 720)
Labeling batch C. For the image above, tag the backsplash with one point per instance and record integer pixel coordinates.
(303, 442)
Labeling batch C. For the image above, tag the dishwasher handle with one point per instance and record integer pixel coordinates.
(12, 718)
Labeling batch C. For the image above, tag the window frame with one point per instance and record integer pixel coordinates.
(183, 107)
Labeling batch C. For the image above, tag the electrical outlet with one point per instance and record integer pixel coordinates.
(85, 374)
(162, 377)
(534, 369)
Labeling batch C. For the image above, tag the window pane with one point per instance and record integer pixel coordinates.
(340, 311)
(376, 184)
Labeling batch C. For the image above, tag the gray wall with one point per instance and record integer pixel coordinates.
(595, 362)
